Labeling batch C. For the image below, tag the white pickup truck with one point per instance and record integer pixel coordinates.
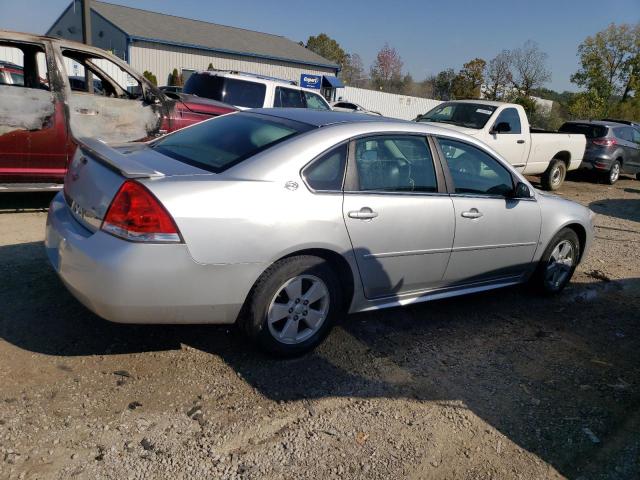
(505, 128)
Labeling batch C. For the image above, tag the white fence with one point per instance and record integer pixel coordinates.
(388, 104)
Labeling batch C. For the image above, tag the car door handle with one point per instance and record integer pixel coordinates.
(86, 111)
(473, 213)
(520, 141)
(365, 213)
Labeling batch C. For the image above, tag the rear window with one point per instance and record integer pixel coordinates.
(222, 142)
(589, 131)
(240, 93)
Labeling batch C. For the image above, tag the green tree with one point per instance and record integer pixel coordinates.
(609, 62)
(210, 67)
(587, 105)
(386, 71)
(529, 104)
(627, 110)
(468, 82)
(150, 76)
(443, 85)
(176, 79)
(327, 47)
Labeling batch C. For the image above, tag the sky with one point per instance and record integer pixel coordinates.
(429, 35)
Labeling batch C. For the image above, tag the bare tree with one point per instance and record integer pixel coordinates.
(498, 75)
(353, 71)
(386, 71)
(529, 68)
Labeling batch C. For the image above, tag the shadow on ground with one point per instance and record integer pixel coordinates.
(624, 208)
(539, 370)
(20, 202)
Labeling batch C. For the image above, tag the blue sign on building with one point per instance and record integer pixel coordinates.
(310, 81)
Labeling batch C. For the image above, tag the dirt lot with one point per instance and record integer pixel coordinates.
(499, 385)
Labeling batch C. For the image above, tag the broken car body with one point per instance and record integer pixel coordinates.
(41, 116)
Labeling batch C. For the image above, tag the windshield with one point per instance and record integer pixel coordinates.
(222, 142)
(470, 115)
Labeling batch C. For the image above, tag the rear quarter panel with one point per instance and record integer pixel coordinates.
(245, 221)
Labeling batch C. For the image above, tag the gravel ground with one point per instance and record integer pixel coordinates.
(502, 385)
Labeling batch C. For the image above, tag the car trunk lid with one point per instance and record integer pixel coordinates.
(98, 170)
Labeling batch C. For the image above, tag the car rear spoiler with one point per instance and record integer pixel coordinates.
(115, 160)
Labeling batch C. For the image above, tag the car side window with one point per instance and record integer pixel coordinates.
(315, 101)
(243, 94)
(24, 67)
(395, 163)
(636, 136)
(623, 133)
(475, 171)
(289, 98)
(327, 172)
(511, 117)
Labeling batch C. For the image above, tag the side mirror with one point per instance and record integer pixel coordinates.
(522, 190)
(501, 127)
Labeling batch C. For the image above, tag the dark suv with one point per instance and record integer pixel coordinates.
(612, 147)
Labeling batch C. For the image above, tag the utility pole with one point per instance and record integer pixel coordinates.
(86, 39)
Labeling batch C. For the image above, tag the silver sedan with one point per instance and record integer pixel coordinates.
(280, 220)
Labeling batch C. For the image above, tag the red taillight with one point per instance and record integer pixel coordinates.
(136, 215)
(604, 142)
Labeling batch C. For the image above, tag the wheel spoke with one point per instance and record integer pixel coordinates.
(294, 289)
(313, 318)
(315, 293)
(290, 330)
(278, 311)
(298, 317)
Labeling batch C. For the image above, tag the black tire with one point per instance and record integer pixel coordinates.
(254, 319)
(613, 175)
(540, 278)
(553, 178)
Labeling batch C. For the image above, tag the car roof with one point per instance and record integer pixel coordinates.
(491, 103)
(245, 76)
(322, 118)
(622, 122)
(602, 123)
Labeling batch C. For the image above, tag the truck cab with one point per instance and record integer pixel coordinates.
(505, 128)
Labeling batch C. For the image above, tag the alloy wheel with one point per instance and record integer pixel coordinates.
(560, 264)
(614, 174)
(298, 309)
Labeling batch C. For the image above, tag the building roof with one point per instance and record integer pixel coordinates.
(169, 29)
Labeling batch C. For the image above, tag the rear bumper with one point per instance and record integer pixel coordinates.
(129, 282)
(600, 162)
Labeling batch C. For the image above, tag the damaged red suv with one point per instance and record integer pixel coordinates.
(45, 106)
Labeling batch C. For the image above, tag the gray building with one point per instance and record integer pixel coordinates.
(159, 43)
